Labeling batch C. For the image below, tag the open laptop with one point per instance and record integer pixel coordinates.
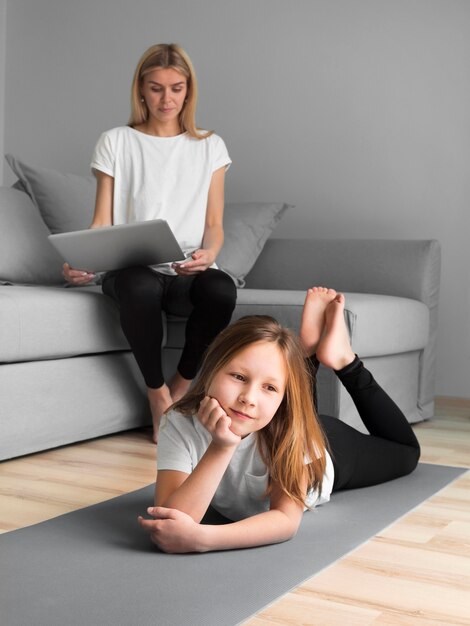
(116, 247)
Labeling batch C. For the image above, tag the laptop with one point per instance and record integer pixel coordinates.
(116, 247)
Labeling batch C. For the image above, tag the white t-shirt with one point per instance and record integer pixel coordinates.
(182, 441)
(161, 178)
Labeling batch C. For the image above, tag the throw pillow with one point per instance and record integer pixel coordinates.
(65, 201)
(247, 226)
(26, 256)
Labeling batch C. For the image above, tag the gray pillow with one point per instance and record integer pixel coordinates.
(247, 226)
(66, 201)
(26, 256)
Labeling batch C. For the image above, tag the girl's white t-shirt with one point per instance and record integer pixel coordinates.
(161, 178)
(182, 441)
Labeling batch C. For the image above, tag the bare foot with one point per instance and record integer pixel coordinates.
(159, 399)
(179, 386)
(334, 349)
(313, 317)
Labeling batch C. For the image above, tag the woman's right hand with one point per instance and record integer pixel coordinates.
(76, 277)
(217, 422)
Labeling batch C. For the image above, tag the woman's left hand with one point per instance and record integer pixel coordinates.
(173, 531)
(199, 261)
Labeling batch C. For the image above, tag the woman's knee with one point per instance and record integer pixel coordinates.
(135, 284)
(214, 288)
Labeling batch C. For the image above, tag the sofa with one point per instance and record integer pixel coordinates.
(66, 371)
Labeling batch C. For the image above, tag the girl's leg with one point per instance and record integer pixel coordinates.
(391, 449)
(212, 295)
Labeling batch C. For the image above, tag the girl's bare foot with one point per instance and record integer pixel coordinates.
(334, 349)
(159, 399)
(313, 317)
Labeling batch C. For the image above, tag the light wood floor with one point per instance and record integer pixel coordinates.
(417, 571)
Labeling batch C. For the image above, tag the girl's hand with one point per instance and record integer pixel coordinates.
(199, 261)
(76, 277)
(173, 531)
(217, 422)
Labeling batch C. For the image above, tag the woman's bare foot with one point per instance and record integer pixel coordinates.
(159, 399)
(179, 386)
(313, 317)
(334, 349)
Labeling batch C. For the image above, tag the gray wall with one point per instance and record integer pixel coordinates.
(356, 111)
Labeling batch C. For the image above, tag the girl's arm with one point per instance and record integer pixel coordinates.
(102, 217)
(213, 237)
(174, 531)
(192, 493)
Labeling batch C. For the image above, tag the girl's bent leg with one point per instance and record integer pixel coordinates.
(390, 451)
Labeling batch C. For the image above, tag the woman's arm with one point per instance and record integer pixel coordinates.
(213, 237)
(173, 531)
(102, 217)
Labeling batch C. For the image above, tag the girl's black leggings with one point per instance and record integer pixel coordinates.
(390, 450)
(207, 299)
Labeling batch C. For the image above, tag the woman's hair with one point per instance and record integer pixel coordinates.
(162, 56)
(294, 434)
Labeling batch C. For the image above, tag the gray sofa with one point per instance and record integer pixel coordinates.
(66, 372)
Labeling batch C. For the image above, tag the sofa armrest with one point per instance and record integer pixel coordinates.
(406, 268)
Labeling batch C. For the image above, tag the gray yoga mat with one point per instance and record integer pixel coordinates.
(96, 567)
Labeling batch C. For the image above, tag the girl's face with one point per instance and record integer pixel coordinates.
(164, 92)
(251, 387)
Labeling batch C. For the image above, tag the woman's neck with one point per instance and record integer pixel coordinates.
(159, 130)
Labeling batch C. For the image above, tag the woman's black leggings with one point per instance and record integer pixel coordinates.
(390, 450)
(207, 299)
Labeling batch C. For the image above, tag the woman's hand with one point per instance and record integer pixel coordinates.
(199, 261)
(173, 531)
(217, 422)
(76, 277)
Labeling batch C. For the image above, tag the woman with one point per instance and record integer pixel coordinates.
(162, 166)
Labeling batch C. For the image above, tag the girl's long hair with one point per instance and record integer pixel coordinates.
(292, 445)
(162, 56)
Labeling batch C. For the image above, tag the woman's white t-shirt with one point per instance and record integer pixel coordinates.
(161, 178)
(182, 441)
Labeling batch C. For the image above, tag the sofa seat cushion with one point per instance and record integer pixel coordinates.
(377, 324)
(55, 322)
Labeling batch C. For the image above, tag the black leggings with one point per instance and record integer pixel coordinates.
(207, 299)
(390, 450)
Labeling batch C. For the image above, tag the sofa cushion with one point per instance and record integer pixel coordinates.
(49, 322)
(247, 227)
(52, 322)
(65, 201)
(377, 324)
(26, 256)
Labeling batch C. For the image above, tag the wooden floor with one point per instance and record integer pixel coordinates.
(417, 571)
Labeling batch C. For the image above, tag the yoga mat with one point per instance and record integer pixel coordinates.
(96, 567)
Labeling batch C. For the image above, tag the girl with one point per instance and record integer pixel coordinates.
(162, 166)
(246, 438)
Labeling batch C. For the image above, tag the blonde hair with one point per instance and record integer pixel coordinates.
(162, 56)
(294, 434)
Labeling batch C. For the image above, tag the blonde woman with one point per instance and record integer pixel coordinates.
(247, 441)
(162, 166)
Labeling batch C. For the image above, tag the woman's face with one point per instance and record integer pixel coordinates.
(251, 387)
(164, 92)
